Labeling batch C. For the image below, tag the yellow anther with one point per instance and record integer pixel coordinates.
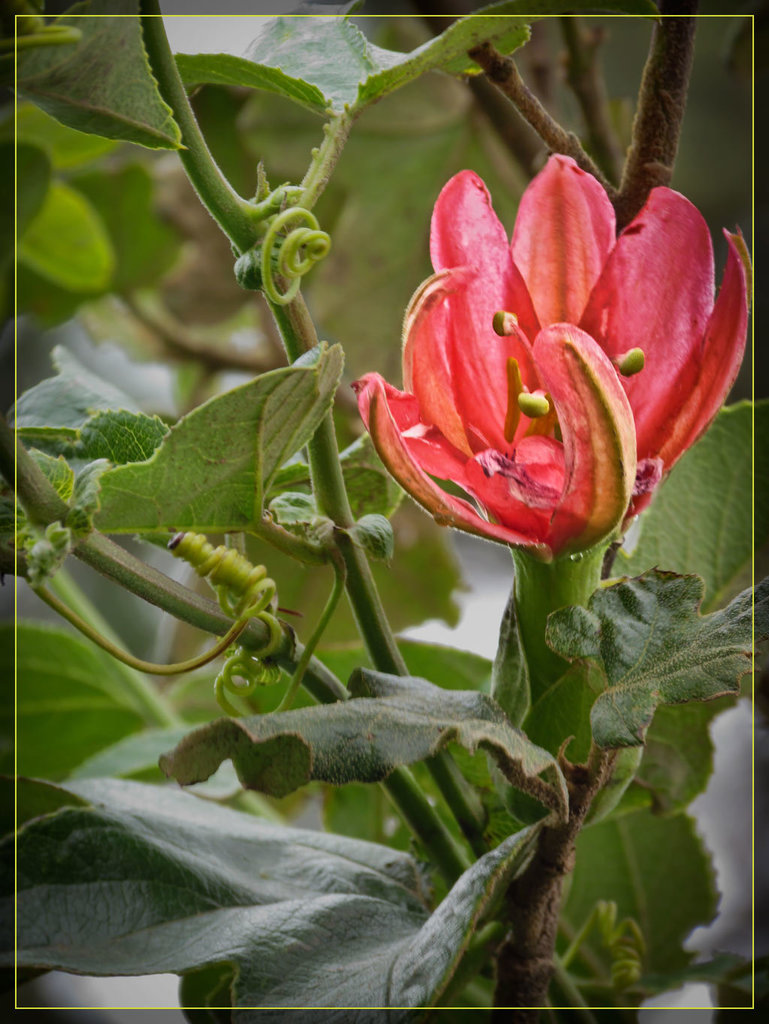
(533, 405)
(504, 323)
(514, 389)
(631, 363)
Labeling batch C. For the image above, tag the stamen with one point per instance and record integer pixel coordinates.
(504, 323)
(545, 425)
(514, 389)
(533, 405)
(631, 362)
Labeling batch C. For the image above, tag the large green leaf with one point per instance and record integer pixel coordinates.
(657, 872)
(212, 469)
(150, 880)
(67, 242)
(395, 721)
(653, 646)
(70, 703)
(701, 519)
(102, 84)
(327, 63)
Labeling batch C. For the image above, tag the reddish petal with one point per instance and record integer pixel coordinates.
(707, 380)
(465, 231)
(655, 293)
(402, 463)
(598, 436)
(563, 233)
(456, 366)
(520, 491)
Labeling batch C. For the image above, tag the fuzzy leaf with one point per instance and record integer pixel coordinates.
(102, 84)
(150, 880)
(393, 721)
(375, 536)
(213, 467)
(653, 646)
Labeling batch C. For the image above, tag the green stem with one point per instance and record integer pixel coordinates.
(231, 212)
(575, 999)
(328, 611)
(539, 589)
(148, 700)
(324, 159)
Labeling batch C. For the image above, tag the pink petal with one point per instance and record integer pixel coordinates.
(655, 293)
(563, 233)
(598, 437)
(520, 492)
(456, 367)
(402, 463)
(465, 231)
(713, 366)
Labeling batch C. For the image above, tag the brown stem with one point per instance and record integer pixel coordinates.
(525, 964)
(584, 77)
(504, 74)
(661, 105)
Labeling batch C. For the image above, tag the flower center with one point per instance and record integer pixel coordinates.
(537, 405)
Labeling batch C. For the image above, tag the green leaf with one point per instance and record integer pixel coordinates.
(102, 84)
(678, 754)
(657, 872)
(119, 436)
(395, 721)
(213, 467)
(375, 536)
(61, 405)
(131, 755)
(654, 647)
(67, 242)
(57, 472)
(225, 69)
(701, 519)
(564, 710)
(145, 246)
(66, 147)
(86, 497)
(150, 880)
(33, 798)
(327, 62)
(69, 702)
(293, 508)
(510, 674)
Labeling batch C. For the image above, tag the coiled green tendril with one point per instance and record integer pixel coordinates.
(293, 254)
(244, 591)
(625, 944)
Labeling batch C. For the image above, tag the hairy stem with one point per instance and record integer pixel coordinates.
(526, 961)
(503, 72)
(324, 159)
(585, 78)
(661, 105)
(231, 212)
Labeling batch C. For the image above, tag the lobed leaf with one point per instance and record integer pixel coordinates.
(393, 721)
(148, 879)
(212, 469)
(653, 647)
(102, 84)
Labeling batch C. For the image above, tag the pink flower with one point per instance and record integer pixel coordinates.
(557, 428)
